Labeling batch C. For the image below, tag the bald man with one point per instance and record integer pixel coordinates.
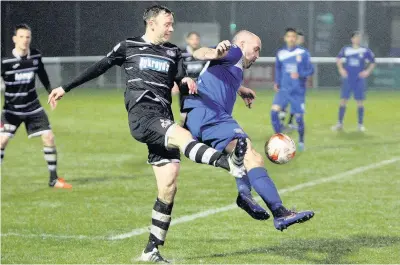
(210, 120)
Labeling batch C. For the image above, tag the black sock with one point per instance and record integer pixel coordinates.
(160, 221)
(291, 119)
(50, 155)
(2, 155)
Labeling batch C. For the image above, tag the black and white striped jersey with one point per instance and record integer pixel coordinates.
(19, 74)
(193, 66)
(148, 68)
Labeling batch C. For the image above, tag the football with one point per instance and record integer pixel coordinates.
(280, 148)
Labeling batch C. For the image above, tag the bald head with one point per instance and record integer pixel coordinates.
(250, 44)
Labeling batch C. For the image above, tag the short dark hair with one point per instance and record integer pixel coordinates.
(356, 32)
(300, 32)
(290, 30)
(21, 26)
(193, 33)
(154, 11)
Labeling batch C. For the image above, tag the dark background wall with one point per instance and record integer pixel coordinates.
(102, 24)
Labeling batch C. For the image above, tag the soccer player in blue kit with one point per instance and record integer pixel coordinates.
(210, 120)
(292, 67)
(353, 75)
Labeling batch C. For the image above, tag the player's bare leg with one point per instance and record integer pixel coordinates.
(181, 138)
(50, 155)
(342, 111)
(276, 123)
(4, 138)
(360, 112)
(166, 177)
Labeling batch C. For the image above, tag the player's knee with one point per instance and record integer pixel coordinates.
(253, 159)
(178, 136)
(48, 138)
(360, 103)
(276, 107)
(343, 102)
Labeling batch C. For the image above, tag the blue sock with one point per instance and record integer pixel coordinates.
(265, 187)
(360, 115)
(300, 124)
(276, 123)
(243, 185)
(342, 110)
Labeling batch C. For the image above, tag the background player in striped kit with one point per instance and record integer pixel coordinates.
(21, 104)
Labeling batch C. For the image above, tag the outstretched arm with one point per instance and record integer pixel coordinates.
(115, 57)
(206, 54)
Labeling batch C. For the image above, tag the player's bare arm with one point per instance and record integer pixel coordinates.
(248, 95)
(367, 72)
(342, 71)
(219, 52)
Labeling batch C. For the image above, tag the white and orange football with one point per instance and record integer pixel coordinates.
(280, 148)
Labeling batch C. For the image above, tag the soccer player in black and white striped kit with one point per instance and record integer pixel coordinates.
(152, 65)
(21, 102)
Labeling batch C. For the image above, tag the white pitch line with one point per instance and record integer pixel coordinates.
(188, 218)
(192, 217)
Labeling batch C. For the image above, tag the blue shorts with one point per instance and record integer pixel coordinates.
(214, 128)
(297, 101)
(355, 86)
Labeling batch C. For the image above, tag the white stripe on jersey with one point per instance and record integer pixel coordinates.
(23, 113)
(34, 56)
(18, 82)
(10, 60)
(156, 84)
(21, 70)
(151, 55)
(19, 94)
(24, 105)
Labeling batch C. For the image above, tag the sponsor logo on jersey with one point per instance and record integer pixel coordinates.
(158, 65)
(171, 53)
(24, 76)
(15, 66)
(143, 48)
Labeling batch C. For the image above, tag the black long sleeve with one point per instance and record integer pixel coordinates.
(90, 73)
(44, 78)
(115, 57)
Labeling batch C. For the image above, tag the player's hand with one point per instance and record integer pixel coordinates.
(343, 73)
(223, 48)
(248, 95)
(294, 75)
(364, 74)
(56, 94)
(276, 87)
(191, 85)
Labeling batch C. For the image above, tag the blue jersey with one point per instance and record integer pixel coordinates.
(294, 60)
(355, 59)
(218, 83)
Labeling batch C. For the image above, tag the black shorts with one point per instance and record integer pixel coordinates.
(149, 122)
(36, 123)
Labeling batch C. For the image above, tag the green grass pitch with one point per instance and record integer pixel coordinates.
(357, 215)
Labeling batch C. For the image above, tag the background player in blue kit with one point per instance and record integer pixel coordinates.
(353, 75)
(210, 120)
(290, 126)
(292, 68)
